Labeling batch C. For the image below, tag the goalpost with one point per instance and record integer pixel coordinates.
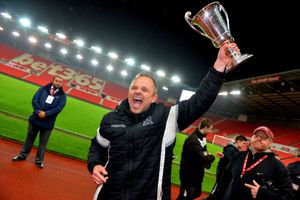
(221, 140)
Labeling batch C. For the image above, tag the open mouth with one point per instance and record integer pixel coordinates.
(137, 101)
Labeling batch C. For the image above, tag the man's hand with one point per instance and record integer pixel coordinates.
(42, 114)
(99, 175)
(225, 56)
(254, 188)
(220, 154)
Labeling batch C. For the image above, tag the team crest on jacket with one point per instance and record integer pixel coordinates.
(148, 121)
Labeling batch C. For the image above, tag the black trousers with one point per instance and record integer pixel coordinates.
(32, 132)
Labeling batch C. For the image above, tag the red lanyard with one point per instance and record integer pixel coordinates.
(52, 91)
(252, 166)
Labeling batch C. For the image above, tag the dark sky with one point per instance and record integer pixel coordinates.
(155, 32)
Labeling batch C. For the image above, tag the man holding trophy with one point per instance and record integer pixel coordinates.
(112, 150)
(119, 162)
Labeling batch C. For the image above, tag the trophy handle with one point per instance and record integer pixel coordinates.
(188, 20)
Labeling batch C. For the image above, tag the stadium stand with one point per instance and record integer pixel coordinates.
(114, 90)
(290, 160)
(12, 71)
(85, 96)
(109, 104)
(105, 93)
(283, 155)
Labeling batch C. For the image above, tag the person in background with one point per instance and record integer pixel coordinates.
(47, 103)
(240, 144)
(131, 155)
(194, 159)
(294, 172)
(255, 173)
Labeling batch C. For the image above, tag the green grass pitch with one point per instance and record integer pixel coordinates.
(74, 127)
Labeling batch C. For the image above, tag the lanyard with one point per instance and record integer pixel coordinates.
(52, 91)
(252, 166)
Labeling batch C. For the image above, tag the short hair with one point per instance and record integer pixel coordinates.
(205, 123)
(241, 138)
(148, 76)
(57, 76)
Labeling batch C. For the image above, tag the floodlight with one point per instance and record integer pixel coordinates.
(113, 55)
(6, 15)
(94, 62)
(145, 67)
(224, 93)
(165, 88)
(48, 45)
(32, 40)
(61, 35)
(79, 42)
(130, 61)
(64, 51)
(175, 79)
(124, 73)
(110, 68)
(235, 92)
(16, 34)
(160, 73)
(79, 57)
(25, 22)
(96, 49)
(43, 29)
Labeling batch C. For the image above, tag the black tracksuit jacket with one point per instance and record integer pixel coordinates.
(194, 159)
(137, 149)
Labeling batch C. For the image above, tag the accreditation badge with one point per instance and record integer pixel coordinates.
(49, 99)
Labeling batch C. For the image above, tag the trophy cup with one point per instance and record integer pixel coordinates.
(210, 23)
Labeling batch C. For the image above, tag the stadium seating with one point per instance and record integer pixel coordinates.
(290, 160)
(108, 94)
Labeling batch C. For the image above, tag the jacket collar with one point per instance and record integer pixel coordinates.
(199, 134)
(59, 92)
(262, 153)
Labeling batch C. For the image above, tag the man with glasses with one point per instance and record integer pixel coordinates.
(256, 173)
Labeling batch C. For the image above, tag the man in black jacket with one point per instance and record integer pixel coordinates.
(194, 159)
(256, 173)
(240, 144)
(231, 149)
(294, 172)
(131, 155)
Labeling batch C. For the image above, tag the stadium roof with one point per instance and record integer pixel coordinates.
(274, 96)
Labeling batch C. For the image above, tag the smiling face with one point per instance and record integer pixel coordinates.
(142, 92)
(260, 141)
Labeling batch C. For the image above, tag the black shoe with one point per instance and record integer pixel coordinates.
(18, 158)
(39, 164)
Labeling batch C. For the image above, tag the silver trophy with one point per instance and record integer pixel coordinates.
(210, 23)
